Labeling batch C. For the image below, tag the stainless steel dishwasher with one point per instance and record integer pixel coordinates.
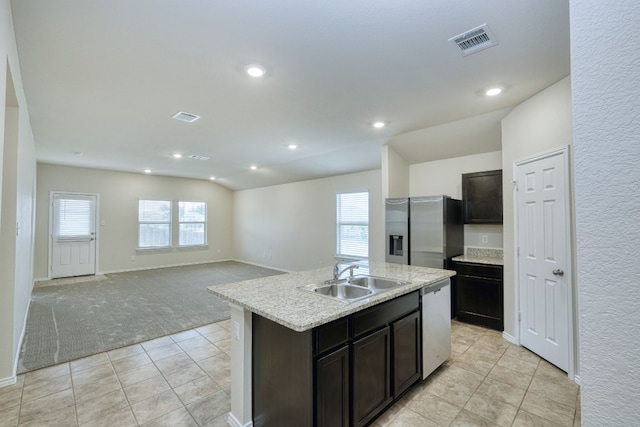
(436, 325)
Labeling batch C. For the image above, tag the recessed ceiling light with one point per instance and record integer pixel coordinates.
(147, 171)
(177, 155)
(212, 178)
(255, 70)
(78, 154)
(378, 125)
(494, 91)
(253, 167)
(292, 146)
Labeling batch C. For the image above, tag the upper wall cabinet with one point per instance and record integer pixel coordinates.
(482, 197)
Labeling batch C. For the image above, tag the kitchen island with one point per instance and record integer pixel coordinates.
(286, 308)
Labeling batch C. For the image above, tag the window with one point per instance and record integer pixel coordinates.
(154, 224)
(353, 225)
(192, 218)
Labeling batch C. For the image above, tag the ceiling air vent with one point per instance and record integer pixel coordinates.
(185, 117)
(474, 40)
(198, 157)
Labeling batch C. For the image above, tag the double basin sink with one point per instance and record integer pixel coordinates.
(357, 287)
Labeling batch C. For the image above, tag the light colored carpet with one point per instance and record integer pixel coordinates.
(71, 321)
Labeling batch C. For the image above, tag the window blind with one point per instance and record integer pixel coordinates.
(154, 223)
(352, 225)
(192, 219)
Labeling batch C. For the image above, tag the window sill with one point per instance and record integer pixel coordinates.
(153, 250)
(192, 248)
(350, 258)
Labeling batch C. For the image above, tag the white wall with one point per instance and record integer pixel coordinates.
(605, 65)
(539, 124)
(293, 226)
(395, 174)
(17, 169)
(445, 177)
(118, 208)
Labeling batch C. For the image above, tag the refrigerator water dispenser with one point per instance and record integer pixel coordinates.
(395, 244)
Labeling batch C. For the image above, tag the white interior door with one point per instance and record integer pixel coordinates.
(73, 235)
(544, 257)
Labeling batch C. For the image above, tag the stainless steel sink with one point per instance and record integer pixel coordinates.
(375, 283)
(344, 291)
(354, 288)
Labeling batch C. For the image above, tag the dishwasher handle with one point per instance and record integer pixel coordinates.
(435, 287)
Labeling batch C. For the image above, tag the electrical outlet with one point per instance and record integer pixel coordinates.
(133, 257)
(218, 250)
(485, 238)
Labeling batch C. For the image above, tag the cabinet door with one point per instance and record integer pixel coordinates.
(332, 389)
(371, 376)
(480, 301)
(405, 335)
(482, 197)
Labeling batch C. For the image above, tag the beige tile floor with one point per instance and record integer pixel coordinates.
(183, 380)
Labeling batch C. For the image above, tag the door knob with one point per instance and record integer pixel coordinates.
(558, 272)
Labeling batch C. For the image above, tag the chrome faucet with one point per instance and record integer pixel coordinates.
(337, 272)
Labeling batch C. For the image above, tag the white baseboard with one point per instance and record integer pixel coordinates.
(42, 279)
(8, 381)
(22, 334)
(509, 338)
(233, 422)
(262, 265)
(126, 270)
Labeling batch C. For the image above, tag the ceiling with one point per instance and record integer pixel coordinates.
(104, 78)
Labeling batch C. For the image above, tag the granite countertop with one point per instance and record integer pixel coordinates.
(481, 256)
(279, 298)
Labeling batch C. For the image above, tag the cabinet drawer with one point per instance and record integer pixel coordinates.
(382, 314)
(479, 270)
(331, 335)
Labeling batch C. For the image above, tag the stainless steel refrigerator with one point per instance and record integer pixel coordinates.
(425, 231)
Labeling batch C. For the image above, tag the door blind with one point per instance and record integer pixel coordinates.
(73, 217)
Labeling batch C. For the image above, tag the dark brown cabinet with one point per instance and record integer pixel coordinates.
(344, 373)
(405, 335)
(482, 197)
(371, 376)
(332, 385)
(480, 294)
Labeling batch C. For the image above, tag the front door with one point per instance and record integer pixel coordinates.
(73, 234)
(543, 241)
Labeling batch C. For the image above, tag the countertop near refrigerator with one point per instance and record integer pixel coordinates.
(481, 256)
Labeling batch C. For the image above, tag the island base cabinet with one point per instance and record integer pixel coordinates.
(371, 374)
(332, 385)
(343, 373)
(282, 377)
(405, 334)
